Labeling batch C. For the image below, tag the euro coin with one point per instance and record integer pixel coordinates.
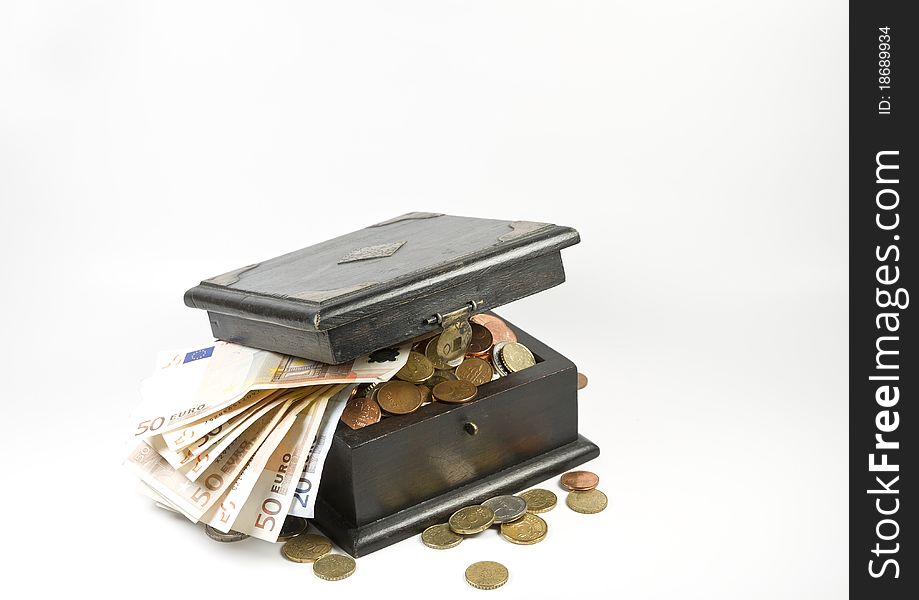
(530, 529)
(516, 357)
(417, 369)
(482, 340)
(399, 397)
(471, 519)
(452, 343)
(486, 575)
(219, 536)
(499, 330)
(579, 480)
(506, 508)
(361, 412)
(440, 537)
(474, 370)
(292, 527)
(334, 567)
(539, 500)
(425, 394)
(430, 352)
(306, 548)
(582, 381)
(588, 503)
(496, 359)
(454, 392)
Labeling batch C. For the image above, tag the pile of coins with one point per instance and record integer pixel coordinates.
(448, 367)
(515, 516)
(517, 519)
(317, 549)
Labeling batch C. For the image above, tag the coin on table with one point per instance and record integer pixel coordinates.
(579, 480)
(452, 343)
(399, 397)
(582, 381)
(430, 352)
(482, 340)
(588, 503)
(292, 527)
(361, 412)
(440, 537)
(530, 529)
(506, 508)
(474, 370)
(539, 500)
(471, 519)
(486, 575)
(500, 332)
(496, 359)
(219, 536)
(516, 357)
(454, 392)
(417, 369)
(334, 567)
(306, 548)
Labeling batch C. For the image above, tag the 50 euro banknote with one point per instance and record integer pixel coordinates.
(191, 384)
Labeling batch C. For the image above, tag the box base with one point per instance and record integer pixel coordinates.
(403, 524)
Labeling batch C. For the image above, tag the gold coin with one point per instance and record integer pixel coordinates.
(486, 575)
(455, 392)
(589, 502)
(539, 500)
(333, 567)
(474, 370)
(440, 537)
(472, 519)
(417, 369)
(306, 548)
(430, 352)
(527, 530)
(425, 394)
(452, 343)
(399, 397)
(516, 357)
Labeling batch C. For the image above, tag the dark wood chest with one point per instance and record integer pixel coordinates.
(393, 282)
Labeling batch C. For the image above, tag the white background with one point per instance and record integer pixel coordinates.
(700, 148)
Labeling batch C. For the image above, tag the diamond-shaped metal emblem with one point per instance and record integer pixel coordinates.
(379, 251)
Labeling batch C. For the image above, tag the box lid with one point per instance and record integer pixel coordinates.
(397, 267)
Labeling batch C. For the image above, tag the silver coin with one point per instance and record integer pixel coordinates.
(219, 536)
(496, 359)
(292, 527)
(506, 508)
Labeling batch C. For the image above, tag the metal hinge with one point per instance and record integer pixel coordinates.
(462, 313)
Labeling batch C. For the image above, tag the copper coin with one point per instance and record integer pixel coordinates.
(399, 397)
(360, 412)
(455, 392)
(474, 370)
(582, 381)
(500, 332)
(481, 340)
(579, 480)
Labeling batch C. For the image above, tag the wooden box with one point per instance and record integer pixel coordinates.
(384, 285)
(395, 478)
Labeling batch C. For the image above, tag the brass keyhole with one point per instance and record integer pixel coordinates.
(471, 428)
